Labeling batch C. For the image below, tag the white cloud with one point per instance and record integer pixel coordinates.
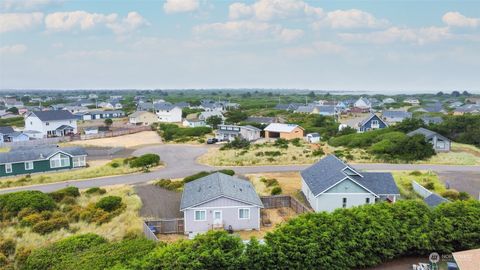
(92, 54)
(289, 35)
(266, 10)
(82, 20)
(248, 29)
(318, 47)
(352, 18)
(13, 49)
(27, 4)
(458, 20)
(66, 21)
(19, 21)
(396, 34)
(129, 24)
(175, 6)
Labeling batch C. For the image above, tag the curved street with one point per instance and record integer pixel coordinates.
(181, 160)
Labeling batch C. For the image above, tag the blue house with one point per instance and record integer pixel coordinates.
(371, 122)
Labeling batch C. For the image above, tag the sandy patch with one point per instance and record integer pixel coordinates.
(290, 182)
(127, 141)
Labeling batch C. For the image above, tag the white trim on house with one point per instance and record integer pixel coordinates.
(222, 207)
(60, 159)
(248, 211)
(33, 160)
(200, 211)
(28, 168)
(200, 203)
(8, 168)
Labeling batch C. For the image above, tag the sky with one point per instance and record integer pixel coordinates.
(376, 45)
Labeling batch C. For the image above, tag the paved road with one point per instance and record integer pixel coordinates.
(180, 161)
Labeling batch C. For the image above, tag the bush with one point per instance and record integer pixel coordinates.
(227, 172)
(145, 161)
(237, 143)
(195, 176)
(12, 203)
(114, 165)
(272, 153)
(169, 184)
(48, 226)
(451, 194)
(3, 260)
(109, 203)
(7, 246)
(31, 219)
(65, 192)
(276, 191)
(96, 190)
(429, 185)
(281, 143)
(174, 132)
(318, 152)
(416, 173)
(270, 182)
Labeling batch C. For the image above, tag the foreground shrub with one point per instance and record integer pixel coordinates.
(237, 143)
(96, 190)
(12, 203)
(48, 226)
(145, 161)
(169, 184)
(109, 203)
(7, 246)
(65, 192)
(276, 190)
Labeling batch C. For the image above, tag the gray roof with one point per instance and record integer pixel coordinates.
(104, 112)
(218, 185)
(330, 170)
(372, 115)
(164, 106)
(397, 114)
(261, 120)
(433, 200)
(427, 133)
(22, 154)
(431, 119)
(6, 130)
(63, 127)
(54, 115)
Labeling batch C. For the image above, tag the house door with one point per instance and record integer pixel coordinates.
(217, 217)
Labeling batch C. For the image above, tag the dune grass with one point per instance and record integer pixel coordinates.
(127, 223)
(404, 182)
(75, 174)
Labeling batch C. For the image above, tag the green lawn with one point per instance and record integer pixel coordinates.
(404, 182)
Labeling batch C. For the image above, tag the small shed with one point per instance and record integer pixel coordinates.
(284, 131)
(313, 137)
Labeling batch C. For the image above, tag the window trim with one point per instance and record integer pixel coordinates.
(195, 215)
(239, 211)
(81, 161)
(30, 168)
(8, 165)
(58, 157)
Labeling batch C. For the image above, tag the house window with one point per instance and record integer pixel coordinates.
(47, 123)
(79, 161)
(8, 168)
(200, 215)
(243, 213)
(440, 144)
(29, 165)
(367, 200)
(344, 202)
(374, 122)
(59, 160)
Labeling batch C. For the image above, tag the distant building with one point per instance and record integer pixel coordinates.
(363, 104)
(99, 114)
(142, 118)
(412, 101)
(431, 119)
(284, 131)
(313, 137)
(52, 123)
(388, 101)
(371, 122)
(392, 116)
(230, 132)
(168, 112)
(440, 143)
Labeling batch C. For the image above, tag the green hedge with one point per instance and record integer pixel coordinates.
(109, 203)
(145, 161)
(12, 203)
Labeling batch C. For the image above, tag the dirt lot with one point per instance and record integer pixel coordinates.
(462, 181)
(158, 202)
(128, 141)
(289, 182)
(276, 216)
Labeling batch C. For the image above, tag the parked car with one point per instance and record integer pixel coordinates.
(212, 141)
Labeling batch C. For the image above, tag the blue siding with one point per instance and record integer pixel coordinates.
(368, 125)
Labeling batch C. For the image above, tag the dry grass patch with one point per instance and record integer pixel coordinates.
(460, 154)
(428, 179)
(127, 141)
(126, 223)
(265, 154)
(276, 216)
(290, 182)
(107, 169)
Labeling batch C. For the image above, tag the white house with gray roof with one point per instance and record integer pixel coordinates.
(54, 123)
(440, 143)
(167, 112)
(230, 132)
(330, 184)
(395, 116)
(220, 201)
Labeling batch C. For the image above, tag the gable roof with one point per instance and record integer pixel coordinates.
(164, 106)
(279, 127)
(433, 200)
(396, 114)
(427, 133)
(218, 185)
(139, 113)
(54, 115)
(330, 170)
(431, 119)
(21, 154)
(6, 130)
(364, 121)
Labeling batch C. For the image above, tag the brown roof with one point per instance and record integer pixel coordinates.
(468, 259)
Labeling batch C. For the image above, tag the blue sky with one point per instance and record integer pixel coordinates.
(390, 46)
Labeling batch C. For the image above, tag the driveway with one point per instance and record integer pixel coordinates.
(180, 161)
(158, 202)
(464, 181)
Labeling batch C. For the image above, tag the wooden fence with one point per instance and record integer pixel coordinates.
(166, 226)
(108, 134)
(278, 201)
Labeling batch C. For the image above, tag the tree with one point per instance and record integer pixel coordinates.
(455, 94)
(214, 121)
(311, 94)
(236, 116)
(409, 124)
(13, 110)
(108, 122)
(465, 93)
(25, 99)
(440, 93)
